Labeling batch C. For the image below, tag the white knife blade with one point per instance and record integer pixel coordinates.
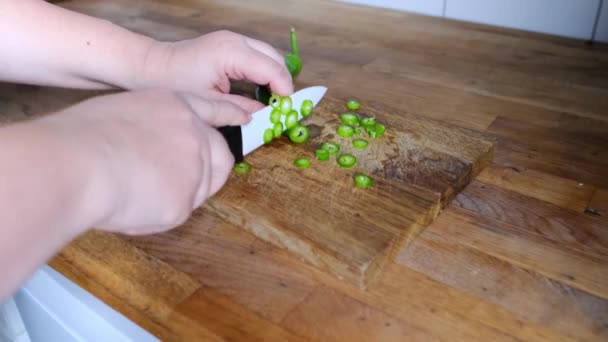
(253, 132)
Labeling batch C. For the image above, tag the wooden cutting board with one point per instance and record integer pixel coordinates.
(320, 216)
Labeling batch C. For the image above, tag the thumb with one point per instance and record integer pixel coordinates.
(216, 113)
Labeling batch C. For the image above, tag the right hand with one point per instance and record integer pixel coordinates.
(157, 155)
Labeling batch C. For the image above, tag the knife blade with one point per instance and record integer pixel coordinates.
(245, 139)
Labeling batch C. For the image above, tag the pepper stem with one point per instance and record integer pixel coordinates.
(294, 42)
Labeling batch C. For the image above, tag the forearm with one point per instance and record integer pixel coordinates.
(48, 197)
(44, 44)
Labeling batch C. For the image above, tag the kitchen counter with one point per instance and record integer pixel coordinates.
(520, 254)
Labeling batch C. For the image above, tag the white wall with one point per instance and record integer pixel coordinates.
(568, 18)
(601, 32)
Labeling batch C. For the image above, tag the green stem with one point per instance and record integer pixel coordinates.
(294, 42)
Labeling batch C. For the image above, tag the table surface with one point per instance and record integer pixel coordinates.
(521, 254)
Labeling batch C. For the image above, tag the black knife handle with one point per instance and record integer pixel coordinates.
(234, 138)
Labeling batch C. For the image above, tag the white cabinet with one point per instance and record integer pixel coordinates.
(430, 7)
(601, 32)
(570, 18)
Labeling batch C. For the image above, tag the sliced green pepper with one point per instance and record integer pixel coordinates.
(268, 136)
(332, 148)
(357, 131)
(360, 143)
(277, 130)
(274, 101)
(350, 119)
(363, 180)
(302, 163)
(347, 160)
(306, 108)
(372, 134)
(242, 168)
(299, 134)
(322, 154)
(285, 104)
(353, 105)
(380, 129)
(291, 120)
(345, 131)
(275, 116)
(368, 123)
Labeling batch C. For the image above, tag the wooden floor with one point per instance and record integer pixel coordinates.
(520, 255)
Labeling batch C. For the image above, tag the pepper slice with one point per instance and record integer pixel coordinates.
(274, 101)
(372, 134)
(291, 120)
(360, 143)
(268, 136)
(347, 160)
(242, 168)
(345, 131)
(306, 108)
(299, 134)
(285, 105)
(302, 163)
(277, 130)
(380, 129)
(350, 119)
(275, 116)
(322, 154)
(368, 123)
(353, 104)
(363, 180)
(357, 131)
(332, 148)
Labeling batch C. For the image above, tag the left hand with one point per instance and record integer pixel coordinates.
(205, 65)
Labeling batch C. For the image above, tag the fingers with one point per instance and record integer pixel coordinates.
(248, 105)
(222, 161)
(265, 48)
(255, 66)
(216, 112)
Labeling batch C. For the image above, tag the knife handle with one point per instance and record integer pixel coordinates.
(234, 138)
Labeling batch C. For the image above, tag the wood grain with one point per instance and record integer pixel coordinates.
(514, 259)
(318, 214)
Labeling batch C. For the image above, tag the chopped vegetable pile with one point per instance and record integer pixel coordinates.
(285, 120)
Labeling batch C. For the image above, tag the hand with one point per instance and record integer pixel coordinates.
(158, 156)
(208, 63)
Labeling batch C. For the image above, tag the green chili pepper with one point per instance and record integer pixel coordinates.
(368, 123)
(306, 108)
(350, 119)
(285, 104)
(345, 131)
(380, 129)
(291, 120)
(347, 160)
(360, 143)
(277, 130)
(242, 168)
(292, 60)
(302, 163)
(332, 148)
(363, 180)
(274, 101)
(299, 134)
(322, 154)
(275, 116)
(353, 105)
(268, 136)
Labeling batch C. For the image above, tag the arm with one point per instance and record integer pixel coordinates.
(43, 44)
(136, 163)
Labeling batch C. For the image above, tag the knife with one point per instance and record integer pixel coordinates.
(245, 139)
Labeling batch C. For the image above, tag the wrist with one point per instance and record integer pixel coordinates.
(152, 67)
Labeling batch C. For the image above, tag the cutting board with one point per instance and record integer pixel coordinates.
(321, 217)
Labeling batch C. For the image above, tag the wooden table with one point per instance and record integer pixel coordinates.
(521, 254)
